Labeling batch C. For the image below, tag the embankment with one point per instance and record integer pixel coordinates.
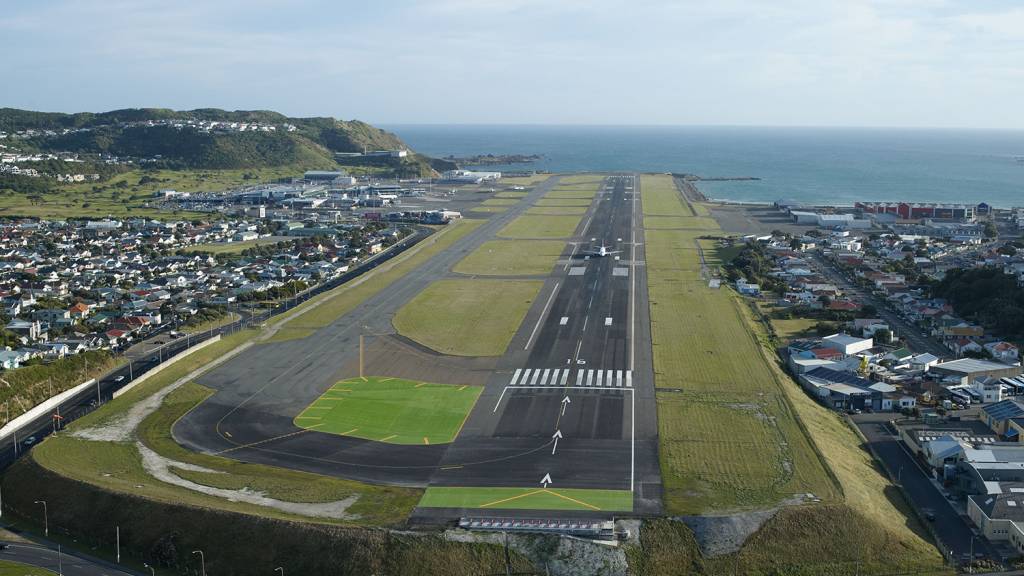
(165, 535)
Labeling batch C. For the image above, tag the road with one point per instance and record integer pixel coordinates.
(62, 562)
(953, 530)
(900, 327)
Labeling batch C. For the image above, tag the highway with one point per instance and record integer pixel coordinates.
(59, 561)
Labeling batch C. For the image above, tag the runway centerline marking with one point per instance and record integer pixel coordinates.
(543, 314)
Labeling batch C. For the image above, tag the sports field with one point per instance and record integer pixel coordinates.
(467, 317)
(527, 498)
(534, 226)
(391, 410)
(512, 258)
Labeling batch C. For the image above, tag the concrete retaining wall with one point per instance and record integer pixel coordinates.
(156, 369)
(42, 408)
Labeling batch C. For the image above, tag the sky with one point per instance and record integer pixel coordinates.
(914, 63)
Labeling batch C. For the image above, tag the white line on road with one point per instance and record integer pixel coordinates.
(543, 314)
(515, 376)
(498, 403)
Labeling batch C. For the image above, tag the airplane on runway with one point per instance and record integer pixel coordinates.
(601, 251)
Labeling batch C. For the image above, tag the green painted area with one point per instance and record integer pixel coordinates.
(391, 410)
(527, 498)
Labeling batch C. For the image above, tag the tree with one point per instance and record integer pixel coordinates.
(883, 336)
(990, 231)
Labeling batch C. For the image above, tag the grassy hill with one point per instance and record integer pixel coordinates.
(312, 142)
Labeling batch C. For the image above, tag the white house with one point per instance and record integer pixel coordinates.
(847, 344)
(1003, 352)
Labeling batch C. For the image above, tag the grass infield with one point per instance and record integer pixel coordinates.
(527, 498)
(391, 410)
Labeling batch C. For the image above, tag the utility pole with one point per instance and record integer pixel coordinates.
(202, 560)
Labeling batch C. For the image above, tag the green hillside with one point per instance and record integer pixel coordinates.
(312, 142)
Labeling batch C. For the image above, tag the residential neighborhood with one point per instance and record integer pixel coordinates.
(865, 308)
(71, 286)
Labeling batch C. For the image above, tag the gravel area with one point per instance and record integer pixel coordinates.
(160, 468)
(122, 428)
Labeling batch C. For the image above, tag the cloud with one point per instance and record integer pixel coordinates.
(865, 62)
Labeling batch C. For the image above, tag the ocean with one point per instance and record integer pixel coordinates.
(836, 166)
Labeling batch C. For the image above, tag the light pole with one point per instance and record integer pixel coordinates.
(152, 572)
(279, 569)
(202, 561)
(46, 518)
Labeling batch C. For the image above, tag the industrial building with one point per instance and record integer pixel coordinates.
(917, 211)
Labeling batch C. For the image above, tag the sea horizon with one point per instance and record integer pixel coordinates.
(815, 165)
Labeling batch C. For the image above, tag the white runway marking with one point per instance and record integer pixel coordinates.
(608, 321)
(543, 314)
(536, 376)
(600, 377)
(563, 321)
(515, 376)
(565, 377)
(629, 379)
(590, 377)
(618, 379)
(544, 378)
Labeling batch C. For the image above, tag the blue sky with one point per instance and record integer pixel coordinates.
(770, 62)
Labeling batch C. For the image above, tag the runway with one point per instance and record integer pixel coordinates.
(590, 323)
(580, 367)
